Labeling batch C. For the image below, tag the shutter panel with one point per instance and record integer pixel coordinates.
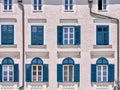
(59, 73)
(0, 73)
(10, 34)
(111, 73)
(16, 73)
(77, 35)
(59, 35)
(93, 73)
(28, 73)
(45, 73)
(33, 35)
(40, 35)
(76, 73)
(106, 35)
(4, 34)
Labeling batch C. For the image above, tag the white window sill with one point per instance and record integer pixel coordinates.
(8, 46)
(37, 11)
(68, 11)
(7, 10)
(102, 46)
(102, 10)
(9, 83)
(68, 46)
(102, 83)
(37, 46)
(36, 83)
(68, 85)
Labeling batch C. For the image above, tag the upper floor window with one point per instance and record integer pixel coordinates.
(102, 71)
(7, 4)
(102, 37)
(7, 34)
(68, 4)
(37, 35)
(37, 4)
(102, 4)
(68, 71)
(68, 35)
(37, 71)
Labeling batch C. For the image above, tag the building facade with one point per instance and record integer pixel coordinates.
(59, 44)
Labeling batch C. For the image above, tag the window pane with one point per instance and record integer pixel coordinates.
(34, 73)
(99, 4)
(39, 68)
(99, 35)
(65, 73)
(104, 4)
(71, 41)
(65, 35)
(99, 79)
(66, 1)
(40, 35)
(71, 1)
(34, 67)
(70, 73)
(104, 67)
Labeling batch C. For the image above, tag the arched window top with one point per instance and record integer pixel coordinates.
(7, 61)
(102, 61)
(68, 60)
(36, 61)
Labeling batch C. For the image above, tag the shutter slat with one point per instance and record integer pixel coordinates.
(59, 35)
(16, 73)
(111, 73)
(93, 72)
(77, 35)
(45, 73)
(76, 73)
(28, 73)
(59, 73)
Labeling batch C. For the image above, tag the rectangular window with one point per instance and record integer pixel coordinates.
(36, 73)
(8, 73)
(7, 4)
(102, 73)
(102, 35)
(68, 4)
(102, 4)
(68, 37)
(68, 73)
(37, 4)
(37, 35)
(7, 34)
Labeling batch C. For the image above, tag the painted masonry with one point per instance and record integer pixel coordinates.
(59, 44)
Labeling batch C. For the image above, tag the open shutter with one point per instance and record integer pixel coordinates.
(28, 73)
(45, 73)
(16, 73)
(59, 73)
(76, 73)
(111, 73)
(59, 35)
(77, 35)
(0, 73)
(93, 73)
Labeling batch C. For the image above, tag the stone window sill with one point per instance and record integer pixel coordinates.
(8, 46)
(68, 46)
(37, 46)
(102, 46)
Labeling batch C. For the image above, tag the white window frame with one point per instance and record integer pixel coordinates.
(68, 39)
(68, 73)
(103, 5)
(37, 73)
(69, 5)
(38, 6)
(8, 66)
(102, 73)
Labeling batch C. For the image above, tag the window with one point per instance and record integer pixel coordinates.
(102, 4)
(7, 34)
(37, 4)
(68, 4)
(68, 71)
(102, 35)
(37, 35)
(7, 4)
(68, 35)
(8, 73)
(102, 71)
(37, 73)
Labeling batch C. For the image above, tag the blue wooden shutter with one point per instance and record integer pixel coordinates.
(111, 73)
(28, 73)
(99, 35)
(106, 35)
(77, 35)
(59, 35)
(45, 73)
(0, 73)
(10, 34)
(59, 73)
(76, 73)
(4, 34)
(16, 73)
(33, 35)
(93, 72)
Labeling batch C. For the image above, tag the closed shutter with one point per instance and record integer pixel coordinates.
(16, 73)
(28, 73)
(33, 35)
(45, 73)
(111, 73)
(10, 34)
(76, 73)
(40, 35)
(106, 35)
(0, 73)
(4, 34)
(60, 35)
(93, 73)
(77, 35)
(59, 73)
